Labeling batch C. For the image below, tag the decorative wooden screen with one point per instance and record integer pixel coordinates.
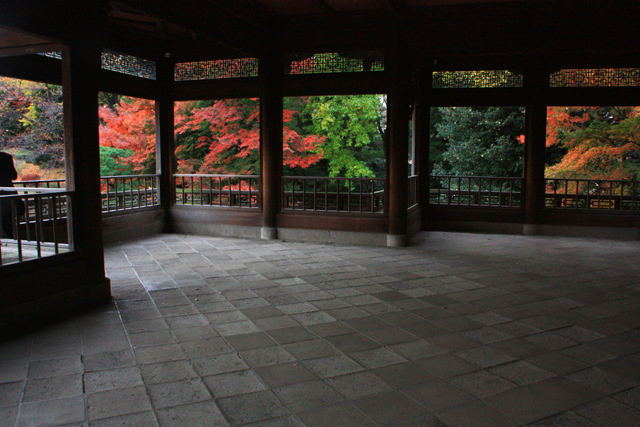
(218, 69)
(342, 62)
(127, 64)
(482, 79)
(54, 55)
(596, 77)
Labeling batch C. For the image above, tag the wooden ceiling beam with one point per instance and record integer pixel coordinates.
(223, 26)
(29, 49)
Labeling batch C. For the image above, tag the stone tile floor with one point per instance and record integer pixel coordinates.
(457, 330)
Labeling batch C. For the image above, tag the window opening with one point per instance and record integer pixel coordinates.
(593, 158)
(127, 153)
(218, 153)
(34, 221)
(335, 153)
(477, 156)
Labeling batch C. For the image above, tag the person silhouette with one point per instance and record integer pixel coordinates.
(8, 173)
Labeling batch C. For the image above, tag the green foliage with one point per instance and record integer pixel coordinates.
(437, 143)
(107, 99)
(480, 141)
(111, 161)
(354, 130)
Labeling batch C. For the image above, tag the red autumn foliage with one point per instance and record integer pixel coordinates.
(130, 126)
(600, 143)
(228, 135)
(561, 119)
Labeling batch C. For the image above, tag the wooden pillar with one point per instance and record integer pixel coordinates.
(81, 64)
(398, 116)
(536, 86)
(165, 137)
(271, 109)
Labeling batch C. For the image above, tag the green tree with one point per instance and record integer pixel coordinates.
(111, 163)
(354, 127)
(481, 141)
(437, 143)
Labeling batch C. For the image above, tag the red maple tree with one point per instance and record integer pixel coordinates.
(224, 138)
(130, 125)
(597, 142)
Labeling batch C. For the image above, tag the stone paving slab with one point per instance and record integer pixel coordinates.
(457, 330)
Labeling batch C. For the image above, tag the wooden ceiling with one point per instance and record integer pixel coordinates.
(433, 27)
(205, 29)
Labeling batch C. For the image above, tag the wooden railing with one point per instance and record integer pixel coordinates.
(46, 183)
(129, 192)
(231, 191)
(592, 194)
(39, 223)
(359, 195)
(486, 191)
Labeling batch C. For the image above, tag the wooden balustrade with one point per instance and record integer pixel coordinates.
(231, 191)
(592, 194)
(357, 195)
(39, 223)
(560, 193)
(129, 192)
(485, 191)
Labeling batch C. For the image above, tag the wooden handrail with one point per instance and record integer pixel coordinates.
(34, 189)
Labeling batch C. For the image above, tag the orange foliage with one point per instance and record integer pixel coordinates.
(31, 172)
(600, 142)
(560, 119)
(30, 177)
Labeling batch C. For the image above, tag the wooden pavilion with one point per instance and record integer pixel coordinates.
(420, 53)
